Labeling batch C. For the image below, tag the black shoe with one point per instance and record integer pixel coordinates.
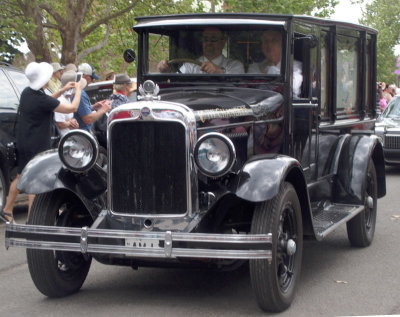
(4, 215)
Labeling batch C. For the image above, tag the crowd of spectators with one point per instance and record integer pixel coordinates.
(385, 94)
(56, 93)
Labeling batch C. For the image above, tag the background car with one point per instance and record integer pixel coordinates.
(12, 83)
(388, 129)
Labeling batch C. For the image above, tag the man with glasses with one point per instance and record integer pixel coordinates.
(212, 61)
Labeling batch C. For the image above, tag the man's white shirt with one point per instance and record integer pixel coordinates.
(231, 66)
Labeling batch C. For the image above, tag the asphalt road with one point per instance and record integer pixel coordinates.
(337, 280)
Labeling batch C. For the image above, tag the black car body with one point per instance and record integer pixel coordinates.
(12, 83)
(388, 130)
(216, 170)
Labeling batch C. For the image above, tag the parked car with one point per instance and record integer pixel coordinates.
(12, 82)
(388, 130)
(214, 170)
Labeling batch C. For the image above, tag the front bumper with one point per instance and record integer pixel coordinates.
(140, 244)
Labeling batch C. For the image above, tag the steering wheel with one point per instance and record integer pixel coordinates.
(184, 60)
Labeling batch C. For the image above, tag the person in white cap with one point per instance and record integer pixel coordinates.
(55, 83)
(87, 113)
(66, 121)
(35, 116)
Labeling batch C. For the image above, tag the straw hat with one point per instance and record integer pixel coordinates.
(38, 74)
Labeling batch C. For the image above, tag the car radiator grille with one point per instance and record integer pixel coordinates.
(392, 141)
(148, 167)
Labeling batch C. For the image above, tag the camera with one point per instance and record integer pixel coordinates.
(78, 76)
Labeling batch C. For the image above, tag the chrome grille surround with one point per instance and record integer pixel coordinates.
(158, 111)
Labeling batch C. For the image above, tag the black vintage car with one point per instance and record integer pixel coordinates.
(214, 170)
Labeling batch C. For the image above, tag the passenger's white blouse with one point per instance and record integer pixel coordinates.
(262, 68)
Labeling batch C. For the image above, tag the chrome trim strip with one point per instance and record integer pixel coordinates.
(341, 123)
(210, 20)
(265, 240)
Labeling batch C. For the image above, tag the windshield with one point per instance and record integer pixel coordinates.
(216, 50)
(393, 108)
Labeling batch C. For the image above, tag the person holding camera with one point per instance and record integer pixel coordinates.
(35, 116)
(66, 121)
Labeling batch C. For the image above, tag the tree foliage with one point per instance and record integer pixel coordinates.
(81, 30)
(322, 8)
(8, 41)
(384, 16)
(98, 31)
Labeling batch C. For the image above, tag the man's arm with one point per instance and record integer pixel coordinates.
(102, 107)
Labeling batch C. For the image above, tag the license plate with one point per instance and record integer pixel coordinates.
(142, 243)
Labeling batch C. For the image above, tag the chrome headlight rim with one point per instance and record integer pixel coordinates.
(94, 146)
(232, 154)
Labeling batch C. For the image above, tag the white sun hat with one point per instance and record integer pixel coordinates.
(38, 74)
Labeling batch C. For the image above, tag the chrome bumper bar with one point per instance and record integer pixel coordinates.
(140, 244)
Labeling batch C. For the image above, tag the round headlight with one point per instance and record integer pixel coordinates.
(214, 154)
(78, 150)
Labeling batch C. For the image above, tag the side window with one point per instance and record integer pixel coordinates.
(159, 49)
(347, 56)
(8, 98)
(325, 66)
(19, 80)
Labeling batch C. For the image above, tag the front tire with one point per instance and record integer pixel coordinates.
(275, 282)
(361, 229)
(58, 273)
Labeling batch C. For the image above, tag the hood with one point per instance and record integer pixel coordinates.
(217, 98)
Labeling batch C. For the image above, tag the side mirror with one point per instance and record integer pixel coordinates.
(129, 55)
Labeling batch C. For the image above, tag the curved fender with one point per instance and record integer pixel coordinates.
(352, 168)
(261, 177)
(40, 175)
(45, 172)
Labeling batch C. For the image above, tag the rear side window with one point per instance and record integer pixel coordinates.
(19, 80)
(347, 75)
(8, 97)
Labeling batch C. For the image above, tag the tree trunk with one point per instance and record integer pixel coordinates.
(37, 43)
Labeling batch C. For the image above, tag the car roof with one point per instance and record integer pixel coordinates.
(238, 18)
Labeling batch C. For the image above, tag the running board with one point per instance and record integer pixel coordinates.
(332, 216)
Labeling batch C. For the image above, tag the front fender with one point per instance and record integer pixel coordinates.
(45, 173)
(261, 177)
(40, 175)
